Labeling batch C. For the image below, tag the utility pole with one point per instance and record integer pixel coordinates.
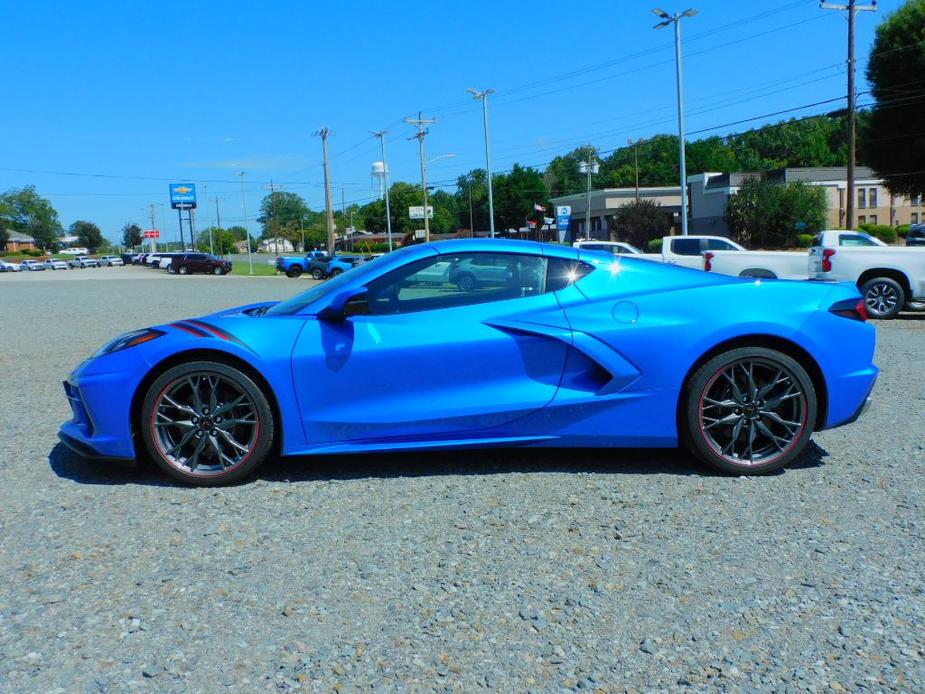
(419, 123)
(329, 213)
(852, 8)
(635, 145)
(385, 178)
(247, 234)
(218, 221)
(153, 228)
(483, 97)
(471, 224)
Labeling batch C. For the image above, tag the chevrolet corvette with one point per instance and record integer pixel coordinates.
(546, 346)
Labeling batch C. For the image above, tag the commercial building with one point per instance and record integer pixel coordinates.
(18, 242)
(708, 193)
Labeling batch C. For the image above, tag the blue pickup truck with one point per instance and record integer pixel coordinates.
(311, 263)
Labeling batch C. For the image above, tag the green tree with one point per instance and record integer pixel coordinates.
(473, 187)
(515, 195)
(25, 211)
(4, 237)
(640, 222)
(222, 242)
(131, 236)
(281, 212)
(892, 141)
(763, 214)
(562, 175)
(88, 234)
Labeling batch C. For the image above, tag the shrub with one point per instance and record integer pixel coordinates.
(654, 246)
(885, 233)
(804, 240)
(902, 230)
(34, 252)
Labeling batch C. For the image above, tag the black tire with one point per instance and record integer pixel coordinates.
(336, 271)
(317, 274)
(778, 432)
(884, 298)
(294, 271)
(171, 270)
(758, 273)
(218, 271)
(465, 282)
(254, 438)
(183, 270)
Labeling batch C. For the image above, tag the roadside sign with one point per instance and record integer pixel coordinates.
(417, 212)
(563, 217)
(182, 196)
(152, 234)
(800, 226)
(419, 233)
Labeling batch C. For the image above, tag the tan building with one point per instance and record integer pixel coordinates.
(18, 242)
(606, 202)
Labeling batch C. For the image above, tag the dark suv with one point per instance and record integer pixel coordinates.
(916, 235)
(186, 263)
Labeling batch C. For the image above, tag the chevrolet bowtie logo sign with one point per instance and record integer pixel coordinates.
(182, 196)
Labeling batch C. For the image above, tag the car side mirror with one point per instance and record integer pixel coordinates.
(354, 302)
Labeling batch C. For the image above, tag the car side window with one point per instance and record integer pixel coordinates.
(719, 245)
(685, 246)
(451, 281)
(561, 273)
(854, 240)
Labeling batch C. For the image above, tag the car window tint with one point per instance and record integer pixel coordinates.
(449, 281)
(560, 273)
(685, 246)
(598, 247)
(854, 240)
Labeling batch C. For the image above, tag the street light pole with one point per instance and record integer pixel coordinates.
(676, 20)
(590, 166)
(635, 145)
(385, 178)
(483, 97)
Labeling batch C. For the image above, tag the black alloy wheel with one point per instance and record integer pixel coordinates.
(206, 423)
(749, 411)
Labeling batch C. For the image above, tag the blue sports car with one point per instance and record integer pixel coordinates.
(552, 346)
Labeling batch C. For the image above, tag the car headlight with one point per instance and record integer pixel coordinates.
(136, 337)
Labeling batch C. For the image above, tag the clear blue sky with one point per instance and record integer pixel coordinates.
(147, 93)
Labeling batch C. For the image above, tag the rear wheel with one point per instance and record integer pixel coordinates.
(465, 282)
(294, 271)
(336, 271)
(183, 270)
(883, 297)
(748, 411)
(206, 423)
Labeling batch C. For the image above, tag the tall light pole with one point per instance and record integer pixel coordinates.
(419, 123)
(589, 166)
(853, 8)
(483, 97)
(385, 180)
(329, 211)
(676, 20)
(247, 234)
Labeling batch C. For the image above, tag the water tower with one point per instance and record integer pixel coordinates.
(378, 174)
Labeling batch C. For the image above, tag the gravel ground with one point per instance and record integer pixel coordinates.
(507, 570)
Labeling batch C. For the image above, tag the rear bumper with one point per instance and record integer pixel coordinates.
(862, 408)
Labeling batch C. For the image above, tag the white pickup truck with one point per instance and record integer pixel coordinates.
(783, 265)
(677, 250)
(890, 278)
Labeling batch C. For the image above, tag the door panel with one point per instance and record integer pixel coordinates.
(428, 374)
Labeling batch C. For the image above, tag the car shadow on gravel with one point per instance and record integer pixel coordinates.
(483, 461)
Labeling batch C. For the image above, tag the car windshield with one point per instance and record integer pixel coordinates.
(357, 274)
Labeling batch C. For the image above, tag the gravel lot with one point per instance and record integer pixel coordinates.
(505, 570)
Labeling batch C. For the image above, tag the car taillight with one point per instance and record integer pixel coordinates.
(827, 259)
(708, 261)
(850, 308)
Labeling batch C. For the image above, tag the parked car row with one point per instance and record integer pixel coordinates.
(78, 262)
(184, 263)
(320, 265)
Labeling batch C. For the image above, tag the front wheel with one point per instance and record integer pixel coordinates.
(748, 411)
(218, 271)
(294, 271)
(317, 274)
(883, 297)
(336, 271)
(465, 282)
(206, 423)
(183, 270)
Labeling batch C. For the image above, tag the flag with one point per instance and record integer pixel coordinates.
(548, 220)
(538, 207)
(531, 224)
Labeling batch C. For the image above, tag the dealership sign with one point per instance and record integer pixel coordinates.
(563, 217)
(152, 234)
(182, 196)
